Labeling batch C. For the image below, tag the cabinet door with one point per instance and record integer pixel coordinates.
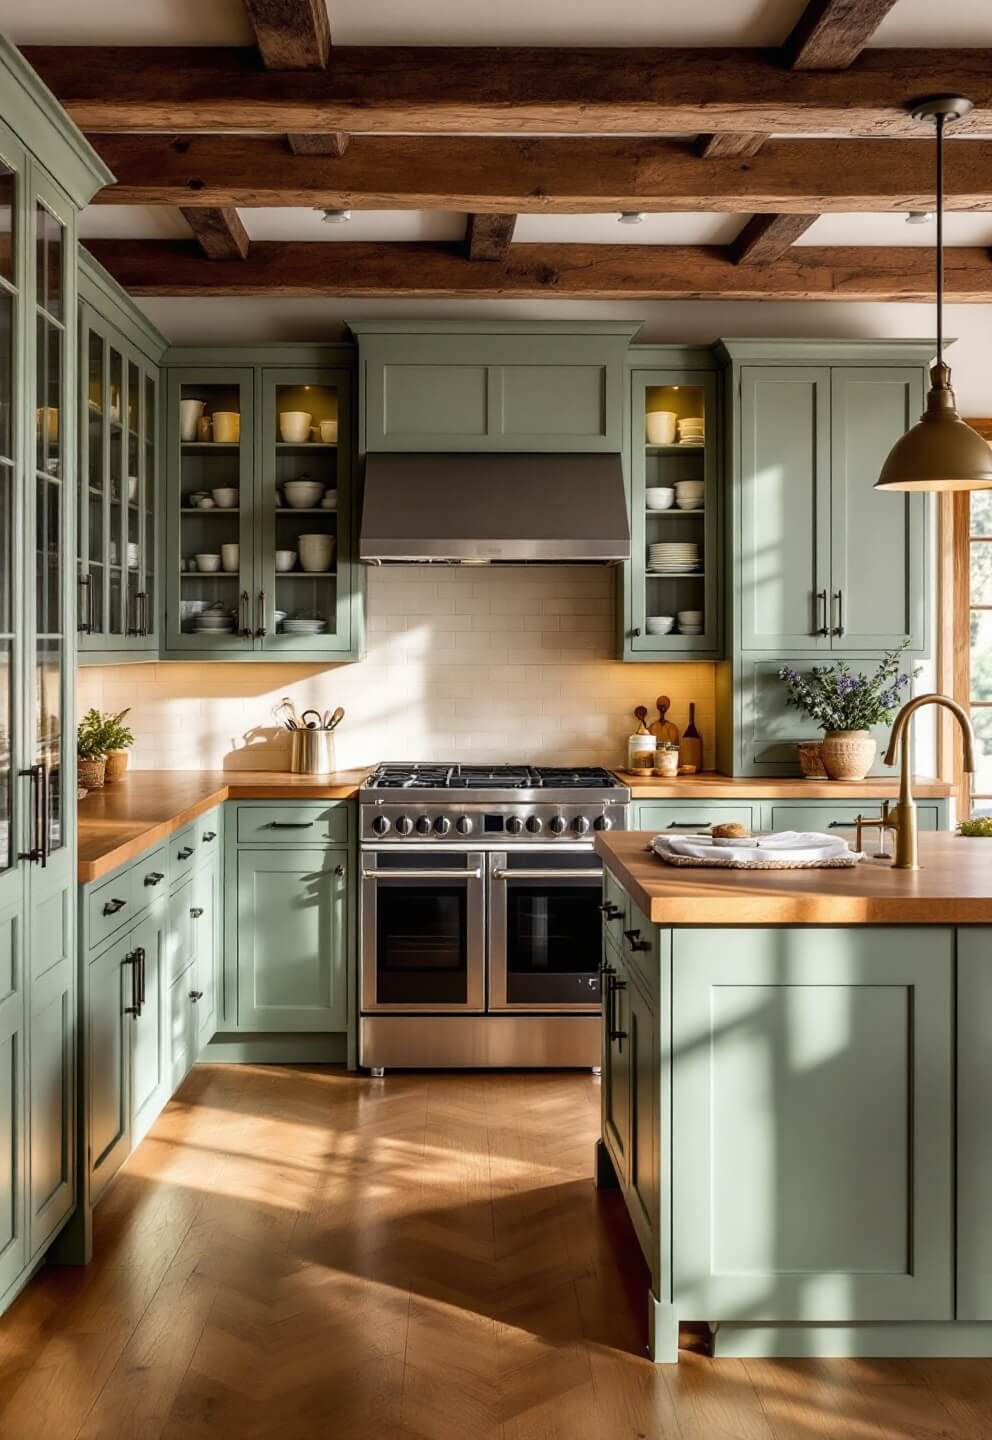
(644, 1177)
(210, 546)
(812, 1094)
(616, 1064)
(785, 508)
(303, 551)
(182, 1028)
(179, 942)
(149, 1088)
(206, 913)
(974, 1123)
(292, 939)
(13, 1237)
(878, 540)
(688, 817)
(107, 1052)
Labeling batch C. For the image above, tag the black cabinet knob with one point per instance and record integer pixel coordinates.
(154, 877)
(112, 907)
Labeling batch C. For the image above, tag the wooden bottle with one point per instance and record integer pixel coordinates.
(691, 748)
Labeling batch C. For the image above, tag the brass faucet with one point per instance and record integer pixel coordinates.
(903, 820)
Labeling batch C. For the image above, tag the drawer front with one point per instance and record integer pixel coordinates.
(150, 877)
(829, 817)
(184, 850)
(613, 924)
(179, 940)
(112, 904)
(641, 948)
(685, 819)
(293, 824)
(208, 832)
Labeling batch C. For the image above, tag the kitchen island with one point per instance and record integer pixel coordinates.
(796, 1067)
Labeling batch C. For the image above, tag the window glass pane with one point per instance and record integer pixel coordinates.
(6, 740)
(981, 719)
(6, 550)
(6, 373)
(48, 362)
(981, 655)
(981, 512)
(48, 747)
(49, 261)
(981, 572)
(7, 183)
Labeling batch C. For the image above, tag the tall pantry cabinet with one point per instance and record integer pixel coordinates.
(47, 172)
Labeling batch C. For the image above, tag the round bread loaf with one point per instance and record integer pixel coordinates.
(730, 830)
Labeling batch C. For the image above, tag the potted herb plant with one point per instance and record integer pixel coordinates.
(91, 759)
(117, 740)
(846, 706)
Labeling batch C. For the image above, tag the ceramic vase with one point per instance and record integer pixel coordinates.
(116, 764)
(189, 418)
(848, 754)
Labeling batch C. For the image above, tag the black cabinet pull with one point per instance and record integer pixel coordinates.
(339, 869)
(85, 627)
(131, 958)
(195, 995)
(839, 627)
(140, 952)
(841, 825)
(208, 835)
(111, 907)
(611, 911)
(635, 632)
(185, 852)
(154, 877)
(688, 824)
(37, 851)
(290, 824)
(196, 911)
(635, 942)
(822, 628)
(260, 631)
(245, 628)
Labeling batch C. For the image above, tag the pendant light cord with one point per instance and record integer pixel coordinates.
(940, 238)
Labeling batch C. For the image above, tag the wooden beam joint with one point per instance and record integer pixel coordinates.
(766, 238)
(488, 237)
(221, 234)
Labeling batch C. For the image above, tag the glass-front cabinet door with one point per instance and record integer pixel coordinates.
(673, 575)
(212, 600)
(302, 515)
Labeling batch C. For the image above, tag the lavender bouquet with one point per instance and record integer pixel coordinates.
(838, 700)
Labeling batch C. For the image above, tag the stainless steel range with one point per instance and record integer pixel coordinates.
(480, 919)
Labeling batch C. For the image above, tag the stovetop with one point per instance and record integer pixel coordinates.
(417, 776)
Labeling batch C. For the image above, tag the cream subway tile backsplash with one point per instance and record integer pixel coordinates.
(497, 665)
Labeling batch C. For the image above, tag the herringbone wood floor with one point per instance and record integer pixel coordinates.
(296, 1252)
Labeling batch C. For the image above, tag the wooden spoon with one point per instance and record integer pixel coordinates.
(641, 715)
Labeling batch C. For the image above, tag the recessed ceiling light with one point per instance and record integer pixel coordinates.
(631, 217)
(337, 217)
(919, 217)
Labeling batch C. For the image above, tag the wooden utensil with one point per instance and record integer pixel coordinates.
(331, 722)
(663, 729)
(691, 749)
(641, 715)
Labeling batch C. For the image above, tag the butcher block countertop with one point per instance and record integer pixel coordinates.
(120, 821)
(711, 786)
(954, 887)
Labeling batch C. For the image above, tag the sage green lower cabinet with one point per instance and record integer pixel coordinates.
(686, 816)
(13, 1050)
(107, 1126)
(292, 939)
(149, 1071)
(616, 1064)
(182, 1041)
(974, 1135)
(52, 1061)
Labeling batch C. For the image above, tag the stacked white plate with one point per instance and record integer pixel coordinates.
(672, 558)
(691, 432)
(213, 625)
(303, 627)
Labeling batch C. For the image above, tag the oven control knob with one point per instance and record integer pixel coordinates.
(580, 824)
(514, 825)
(380, 825)
(423, 825)
(442, 824)
(534, 825)
(464, 825)
(557, 824)
(602, 822)
(404, 825)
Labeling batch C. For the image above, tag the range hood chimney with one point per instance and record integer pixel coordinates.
(510, 509)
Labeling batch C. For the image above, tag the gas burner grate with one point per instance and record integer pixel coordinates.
(415, 776)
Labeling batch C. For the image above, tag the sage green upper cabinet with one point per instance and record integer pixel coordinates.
(878, 564)
(256, 567)
(821, 560)
(674, 492)
(506, 385)
(785, 508)
(117, 536)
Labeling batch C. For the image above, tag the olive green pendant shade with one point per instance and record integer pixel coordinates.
(941, 452)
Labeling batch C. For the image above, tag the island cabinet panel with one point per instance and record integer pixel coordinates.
(644, 1172)
(107, 1044)
(878, 562)
(292, 939)
(974, 1123)
(811, 1159)
(616, 1109)
(785, 507)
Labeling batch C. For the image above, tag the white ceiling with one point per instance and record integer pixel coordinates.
(455, 22)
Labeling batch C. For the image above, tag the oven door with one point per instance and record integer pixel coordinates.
(545, 930)
(423, 930)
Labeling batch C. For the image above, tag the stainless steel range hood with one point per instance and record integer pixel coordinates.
(494, 509)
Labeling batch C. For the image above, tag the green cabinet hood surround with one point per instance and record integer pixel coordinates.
(477, 509)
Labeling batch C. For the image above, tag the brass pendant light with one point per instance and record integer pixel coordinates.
(941, 452)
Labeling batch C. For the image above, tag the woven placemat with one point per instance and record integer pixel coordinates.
(840, 862)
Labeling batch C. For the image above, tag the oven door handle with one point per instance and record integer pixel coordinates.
(421, 874)
(508, 874)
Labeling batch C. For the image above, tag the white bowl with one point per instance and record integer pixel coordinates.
(659, 426)
(689, 502)
(294, 426)
(690, 629)
(207, 564)
(329, 432)
(659, 624)
(226, 498)
(285, 560)
(659, 497)
(689, 617)
(690, 487)
(316, 553)
(303, 494)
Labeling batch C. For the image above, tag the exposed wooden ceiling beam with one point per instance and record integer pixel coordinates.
(291, 34)
(334, 144)
(728, 144)
(607, 272)
(481, 90)
(489, 236)
(831, 34)
(220, 233)
(541, 175)
(766, 238)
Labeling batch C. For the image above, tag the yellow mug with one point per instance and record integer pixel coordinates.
(227, 427)
(48, 423)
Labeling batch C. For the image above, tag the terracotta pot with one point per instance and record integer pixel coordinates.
(848, 754)
(91, 773)
(811, 760)
(116, 765)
